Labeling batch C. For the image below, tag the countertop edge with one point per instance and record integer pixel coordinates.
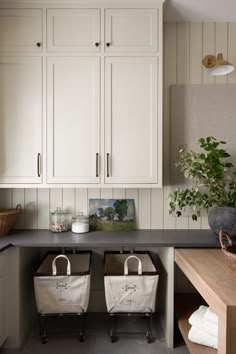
(103, 239)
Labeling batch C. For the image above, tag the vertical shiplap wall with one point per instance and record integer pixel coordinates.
(185, 44)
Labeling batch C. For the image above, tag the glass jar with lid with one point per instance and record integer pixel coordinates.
(59, 220)
(80, 223)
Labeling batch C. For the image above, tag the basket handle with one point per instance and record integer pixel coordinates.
(126, 270)
(54, 267)
(221, 234)
(18, 207)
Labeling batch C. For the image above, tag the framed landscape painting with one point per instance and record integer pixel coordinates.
(111, 214)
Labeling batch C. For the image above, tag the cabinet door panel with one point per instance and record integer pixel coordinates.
(73, 119)
(73, 30)
(20, 30)
(131, 120)
(133, 30)
(20, 119)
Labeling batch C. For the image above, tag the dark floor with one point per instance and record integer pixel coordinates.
(63, 338)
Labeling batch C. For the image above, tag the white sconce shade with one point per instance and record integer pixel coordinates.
(217, 66)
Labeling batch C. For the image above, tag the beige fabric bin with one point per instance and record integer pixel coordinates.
(130, 282)
(62, 283)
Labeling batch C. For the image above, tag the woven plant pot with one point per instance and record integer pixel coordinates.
(7, 219)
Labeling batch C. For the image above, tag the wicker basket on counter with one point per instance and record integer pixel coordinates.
(7, 219)
(229, 251)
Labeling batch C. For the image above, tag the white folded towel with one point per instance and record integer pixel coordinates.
(198, 336)
(211, 316)
(198, 320)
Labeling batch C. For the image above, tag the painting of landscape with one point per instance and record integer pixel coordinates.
(111, 214)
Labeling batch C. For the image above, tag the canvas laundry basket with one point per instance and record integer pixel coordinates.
(130, 282)
(62, 283)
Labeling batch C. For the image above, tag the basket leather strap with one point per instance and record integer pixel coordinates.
(54, 266)
(126, 270)
(221, 234)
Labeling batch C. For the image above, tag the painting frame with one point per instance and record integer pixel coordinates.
(111, 214)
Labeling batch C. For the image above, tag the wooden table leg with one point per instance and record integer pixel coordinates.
(227, 331)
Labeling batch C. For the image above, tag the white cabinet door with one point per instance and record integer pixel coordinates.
(131, 120)
(3, 298)
(73, 120)
(20, 119)
(73, 30)
(20, 30)
(131, 30)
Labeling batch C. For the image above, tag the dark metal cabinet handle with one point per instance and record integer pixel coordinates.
(97, 158)
(108, 167)
(108, 44)
(39, 165)
(97, 44)
(38, 44)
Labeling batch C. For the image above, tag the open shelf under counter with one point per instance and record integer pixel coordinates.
(208, 272)
(185, 305)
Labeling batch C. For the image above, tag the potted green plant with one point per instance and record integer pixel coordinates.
(213, 188)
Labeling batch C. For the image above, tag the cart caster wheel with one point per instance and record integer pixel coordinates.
(112, 339)
(149, 337)
(44, 339)
(81, 338)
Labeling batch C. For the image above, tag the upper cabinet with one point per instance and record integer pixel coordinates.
(73, 30)
(131, 30)
(73, 120)
(20, 30)
(20, 119)
(131, 132)
(81, 95)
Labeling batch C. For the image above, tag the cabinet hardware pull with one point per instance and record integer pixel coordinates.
(97, 44)
(108, 167)
(39, 165)
(97, 156)
(108, 44)
(38, 44)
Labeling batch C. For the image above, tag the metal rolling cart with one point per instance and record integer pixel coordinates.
(63, 293)
(130, 281)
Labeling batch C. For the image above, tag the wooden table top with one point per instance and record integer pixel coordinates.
(209, 273)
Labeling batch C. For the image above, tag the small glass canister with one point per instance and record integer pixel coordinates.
(80, 224)
(59, 220)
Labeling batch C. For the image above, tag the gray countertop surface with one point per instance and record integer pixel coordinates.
(103, 239)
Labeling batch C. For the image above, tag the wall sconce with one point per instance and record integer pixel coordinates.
(217, 65)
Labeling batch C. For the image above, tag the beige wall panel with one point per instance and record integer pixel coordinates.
(144, 212)
(43, 208)
(170, 77)
(133, 193)
(195, 53)
(232, 51)
(208, 48)
(55, 199)
(183, 53)
(221, 47)
(119, 193)
(106, 193)
(68, 202)
(6, 198)
(157, 208)
(18, 197)
(81, 201)
(31, 208)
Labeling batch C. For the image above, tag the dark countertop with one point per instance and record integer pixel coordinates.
(103, 239)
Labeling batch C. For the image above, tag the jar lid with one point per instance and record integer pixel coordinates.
(59, 211)
(80, 217)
